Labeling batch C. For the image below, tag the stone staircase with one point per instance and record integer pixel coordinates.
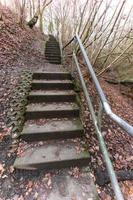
(52, 51)
(52, 101)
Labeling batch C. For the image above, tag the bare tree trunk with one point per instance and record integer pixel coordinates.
(33, 7)
(30, 7)
(39, 13)
(33, 21)
(41, 21)
(22, 12)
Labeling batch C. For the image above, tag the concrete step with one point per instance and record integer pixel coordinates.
(52, 84)
(40, 96)
(53, 56)
(66, 187)
(52, 53)
(53, 62)
(51, 75)
(51, 59)
(56, 62)
(52, 68)
(52, 43)
(56, 53)
(52, 46)
(53, 129)
(52, 49)
(52, 110)
(53, 155)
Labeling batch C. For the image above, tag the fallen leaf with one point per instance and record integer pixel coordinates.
(30, 184)
(11, 169)
(1, 170)
(49, 182)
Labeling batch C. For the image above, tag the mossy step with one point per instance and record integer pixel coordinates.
(53, 68)
(53, 129)
(52, 96)
(52, 42)
(50, 110)
(50, 50)
(53, 62)
(51, 75)
(52, 156)
(56, 56)
(51, 59)
(52, 46)
(52, 84)
(54, 52)
(52, 56)
(65, 186)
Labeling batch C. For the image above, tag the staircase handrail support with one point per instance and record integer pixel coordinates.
(122, 123)
(97, 119)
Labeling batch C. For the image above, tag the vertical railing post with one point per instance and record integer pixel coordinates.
(100, 115)
(61, 45)
(97, 118)
(102, 144)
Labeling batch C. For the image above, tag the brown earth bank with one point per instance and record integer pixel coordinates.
(119, 143)
(22, 49)
(19, 49)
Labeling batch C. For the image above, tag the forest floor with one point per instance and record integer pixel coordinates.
(118, 142)
(23, 48)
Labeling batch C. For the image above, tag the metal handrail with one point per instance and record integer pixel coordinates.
(97, 119)
(68, 43)
(122, 123)
(104, 150)
(60, 44)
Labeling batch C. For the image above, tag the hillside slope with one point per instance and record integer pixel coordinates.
(24, 49)
(19, 49)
